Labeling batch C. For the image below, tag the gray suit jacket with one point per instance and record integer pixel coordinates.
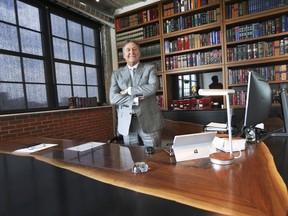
(145, 82)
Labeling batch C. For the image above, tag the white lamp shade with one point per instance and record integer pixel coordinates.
(211, 92)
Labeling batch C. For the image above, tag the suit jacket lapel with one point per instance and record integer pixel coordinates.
(138, 74)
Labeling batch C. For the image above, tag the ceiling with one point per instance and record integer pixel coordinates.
(103, 10)
(109, 6)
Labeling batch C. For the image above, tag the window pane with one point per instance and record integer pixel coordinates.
(79, 91)
(8, 37)
(12, 96)
(89, 55)
(78, 75)
(28, 16)
(89, 38)
(76, 52)
(36, 96)
(10, 69)
(60, 49)
(74, 31)
(34, 70)
(58, 26)
(93, 92)
(64, 92)
(91, 76)
(7, 11)
(31, 42)
(62, 73)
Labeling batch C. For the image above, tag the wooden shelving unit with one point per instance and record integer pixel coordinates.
(213, 24)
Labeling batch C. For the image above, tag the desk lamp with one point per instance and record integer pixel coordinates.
(222, 158)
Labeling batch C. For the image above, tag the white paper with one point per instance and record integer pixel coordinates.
(217, 125)
(35, 148)
(86, 146)
(224, 145)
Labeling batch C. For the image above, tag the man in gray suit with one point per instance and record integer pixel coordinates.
(133, 90)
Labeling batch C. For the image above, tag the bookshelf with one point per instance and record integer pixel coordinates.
(256, 40)
(195, 37)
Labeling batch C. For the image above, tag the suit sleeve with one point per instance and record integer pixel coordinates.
(151, 86)
(114, 94)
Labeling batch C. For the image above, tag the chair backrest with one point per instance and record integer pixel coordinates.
(173, 128)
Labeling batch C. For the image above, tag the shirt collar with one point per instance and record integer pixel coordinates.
(134, 66)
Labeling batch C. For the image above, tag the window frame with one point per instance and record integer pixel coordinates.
(45, 9)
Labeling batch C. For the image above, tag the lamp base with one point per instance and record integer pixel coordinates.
(222, 158)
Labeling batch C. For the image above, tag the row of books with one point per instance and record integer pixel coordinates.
(149, 50)
(136, 34)
(160, 100)
(193, 59)
(192, 41)
(139, 33)
(256, 50)
(270, 73)
(251, 6)
(80, 102)
(191, 20)
(240, 97)
(178, 6)
(136, 19)
(254, 30)
(191, 104)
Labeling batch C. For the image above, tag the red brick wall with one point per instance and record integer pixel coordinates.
(94, 124)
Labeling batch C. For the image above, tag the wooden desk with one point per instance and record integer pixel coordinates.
(250, 186)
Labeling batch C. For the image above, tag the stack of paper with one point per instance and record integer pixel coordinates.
(34, 148)
(214, 126)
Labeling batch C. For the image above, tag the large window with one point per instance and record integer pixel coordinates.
(45, 57)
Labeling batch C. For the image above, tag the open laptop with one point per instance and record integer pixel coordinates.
(193, 146)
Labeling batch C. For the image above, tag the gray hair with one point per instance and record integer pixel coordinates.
(130, 41)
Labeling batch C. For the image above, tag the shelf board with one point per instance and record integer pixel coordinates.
(144, 41)
(262, 38)
(195, 10)
(124, 29)
(201, 28)
(258, 61)
(194, 49)
(201, 68)
(256, 16)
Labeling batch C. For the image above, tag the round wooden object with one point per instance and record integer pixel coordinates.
(222, 158)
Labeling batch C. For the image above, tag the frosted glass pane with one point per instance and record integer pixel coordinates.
(8, 37)
(89, 38)
(64, 92)
(34, 70)
(74, 31)
(93, 92)
(12, 96)
(36, 96)
(10, 69)
(28, 16)
(62, 73)
(91, 76)
(58, 26)
(79, 91)
(31, 42)
(60, 49)
(89, 55)
(76, 52)
(78, 75)
(7, 12)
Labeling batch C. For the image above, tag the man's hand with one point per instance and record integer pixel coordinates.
(124, 92)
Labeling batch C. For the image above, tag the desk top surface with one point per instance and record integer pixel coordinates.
(249, 186)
